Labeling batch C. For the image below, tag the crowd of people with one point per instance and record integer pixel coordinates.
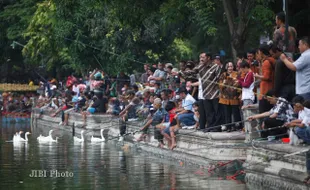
(209, 94)
(16, 104)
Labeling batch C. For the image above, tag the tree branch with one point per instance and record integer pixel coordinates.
(247, 8)
(229, 15)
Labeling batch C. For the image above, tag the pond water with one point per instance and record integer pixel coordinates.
(67, 165)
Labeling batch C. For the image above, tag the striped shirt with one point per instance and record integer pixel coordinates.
(284, 110)
(209, 74)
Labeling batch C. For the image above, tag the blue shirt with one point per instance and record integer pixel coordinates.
(159, 116)
(302, 65)
(188, 102)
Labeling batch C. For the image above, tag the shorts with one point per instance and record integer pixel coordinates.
(65, 107)
(68, 110)
(167, 124)
(167, 131)
(167, 128)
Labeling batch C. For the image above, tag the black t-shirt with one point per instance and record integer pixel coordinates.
(106, 82)
(100, 105)
(283, 76)
(82, 102)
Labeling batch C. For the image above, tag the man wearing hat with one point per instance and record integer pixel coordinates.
(208, 93)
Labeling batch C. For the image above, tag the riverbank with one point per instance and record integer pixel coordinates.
(264, 163)
(271, 165)
(193, 147)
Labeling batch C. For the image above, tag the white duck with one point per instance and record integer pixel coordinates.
(26, 137)
(95, 139)
(54, 140)
(16, 137)
(76, 139)
(48, 138)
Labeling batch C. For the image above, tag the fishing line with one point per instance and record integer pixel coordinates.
(112, 53)
(215, 127)
(246, 143)
(97, 48)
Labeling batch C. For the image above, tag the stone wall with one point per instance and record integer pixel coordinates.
(199, 145)
(267, 166)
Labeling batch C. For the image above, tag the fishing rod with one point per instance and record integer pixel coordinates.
(258, 131)
(126, 134)
(98, 61)
(96, 48)
(215, 127)
(246, 143)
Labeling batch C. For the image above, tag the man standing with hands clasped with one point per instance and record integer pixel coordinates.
(302, 68)
(208, 93)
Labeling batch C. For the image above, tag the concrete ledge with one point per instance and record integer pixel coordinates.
(267, 166)
(209, 146)
(270, 182)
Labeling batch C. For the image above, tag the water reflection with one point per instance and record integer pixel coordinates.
(93, 165)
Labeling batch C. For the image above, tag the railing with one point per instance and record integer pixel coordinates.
(9, 87)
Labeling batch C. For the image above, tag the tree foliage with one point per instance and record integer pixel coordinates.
(121, 35)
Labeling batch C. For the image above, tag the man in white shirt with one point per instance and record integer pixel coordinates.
(185, 115)
(301, 125)
(302, 68)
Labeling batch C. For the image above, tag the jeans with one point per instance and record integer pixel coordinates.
(308, 162)
(187, 119)
(303, 133)
(306, 96)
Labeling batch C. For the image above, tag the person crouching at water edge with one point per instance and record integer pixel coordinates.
(129, 113)
(159, 117)
(281, 113)
(301, 125)
(165, 127)
(185, 114)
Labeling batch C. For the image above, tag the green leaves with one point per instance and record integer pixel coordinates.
(124, 34)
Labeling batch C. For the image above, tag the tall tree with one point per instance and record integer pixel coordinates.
(239, 14)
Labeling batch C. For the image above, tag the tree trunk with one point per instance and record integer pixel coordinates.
(237, 27)
(233, 52)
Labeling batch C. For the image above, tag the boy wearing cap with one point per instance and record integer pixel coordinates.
(185, 115)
